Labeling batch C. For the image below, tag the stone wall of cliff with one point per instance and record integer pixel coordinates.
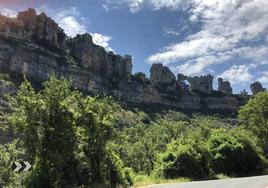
(36, 46)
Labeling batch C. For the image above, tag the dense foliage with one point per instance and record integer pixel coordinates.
(74, 140)
(174, 145)
(235, 152)
(65, 136)
(255, 115)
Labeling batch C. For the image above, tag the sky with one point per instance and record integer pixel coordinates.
(224, 38)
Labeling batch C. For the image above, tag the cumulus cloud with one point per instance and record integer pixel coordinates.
(168, 4)
(237, 74)
(264, 78)
(135, 6)
(102, 40)
(71, 21)
(196, 47)
(8, 12)
(197, 66)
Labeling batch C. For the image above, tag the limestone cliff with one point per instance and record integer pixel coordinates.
(36, 46)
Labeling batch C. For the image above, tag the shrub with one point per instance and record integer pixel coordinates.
(184, 160)
(234, 152)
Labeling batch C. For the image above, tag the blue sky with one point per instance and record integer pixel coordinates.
(225, 38)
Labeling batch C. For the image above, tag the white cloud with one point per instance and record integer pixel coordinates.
(71, 21)
(8, 12)
(237, 74)
(105, 7)
(193, 48)
(170, 32)
(135, 6)
(264, 78)
(169, 4)
(197, 66)
(102, 40)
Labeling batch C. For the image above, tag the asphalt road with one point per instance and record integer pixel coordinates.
(250, 182)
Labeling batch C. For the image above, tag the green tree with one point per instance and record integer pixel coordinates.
(255, 115)
(47, 131)
(94, 119)
(65, 136)
(139, 144)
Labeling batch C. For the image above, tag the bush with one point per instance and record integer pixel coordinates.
(235, 152)
(184, 160)
(117, 173)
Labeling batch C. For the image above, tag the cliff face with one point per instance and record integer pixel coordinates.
(34, 45)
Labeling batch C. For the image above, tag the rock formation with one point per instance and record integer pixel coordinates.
(95, 58)
(256, 87)
(30, 26)
(161, 74)
(224, 86)
(201, 84)
(36, 46)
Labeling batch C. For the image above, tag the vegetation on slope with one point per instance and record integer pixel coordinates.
(74, 140)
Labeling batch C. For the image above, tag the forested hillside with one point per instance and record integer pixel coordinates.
(74, 140)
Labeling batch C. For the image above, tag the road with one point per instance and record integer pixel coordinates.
(251, 182)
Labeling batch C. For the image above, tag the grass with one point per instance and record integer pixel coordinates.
(222, 176)
(143, 180)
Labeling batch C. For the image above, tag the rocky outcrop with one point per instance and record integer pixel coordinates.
(201, 84)
(30, 26)
(256, 87)
(161, 74)
(224, 87)
(95, 58)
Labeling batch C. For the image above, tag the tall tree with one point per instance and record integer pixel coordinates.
(255, 115)
(48, 134)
